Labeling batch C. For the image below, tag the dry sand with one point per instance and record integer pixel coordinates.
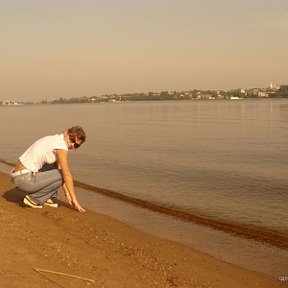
(103, 249)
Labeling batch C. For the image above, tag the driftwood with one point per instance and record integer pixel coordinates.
(43, 271)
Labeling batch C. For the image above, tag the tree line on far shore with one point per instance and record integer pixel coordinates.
(254, 93)
(281, 92)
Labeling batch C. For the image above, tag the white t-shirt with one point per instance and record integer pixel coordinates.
(42, 152)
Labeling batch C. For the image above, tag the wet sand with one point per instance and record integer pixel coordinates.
(258, 234)
(103, 249)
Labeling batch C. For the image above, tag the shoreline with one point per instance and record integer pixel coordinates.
(103, 249)
(262, 235)
(266, 236)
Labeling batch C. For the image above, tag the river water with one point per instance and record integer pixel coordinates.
(221, 160)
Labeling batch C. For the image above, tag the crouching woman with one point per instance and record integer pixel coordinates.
(43, 168)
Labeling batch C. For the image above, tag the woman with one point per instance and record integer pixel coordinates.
(43, 168)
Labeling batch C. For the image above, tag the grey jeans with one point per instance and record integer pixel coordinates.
(40, 186)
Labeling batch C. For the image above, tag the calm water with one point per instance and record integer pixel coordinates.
(221, 159)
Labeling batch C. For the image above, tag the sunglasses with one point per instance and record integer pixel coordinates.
(73, 141)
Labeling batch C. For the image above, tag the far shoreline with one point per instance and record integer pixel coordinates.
(38, 104)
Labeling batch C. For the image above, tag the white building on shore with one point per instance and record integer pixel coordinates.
(9, 102)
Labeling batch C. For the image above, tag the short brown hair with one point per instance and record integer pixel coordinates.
(77, 132)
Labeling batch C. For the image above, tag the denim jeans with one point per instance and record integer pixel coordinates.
(40, 186)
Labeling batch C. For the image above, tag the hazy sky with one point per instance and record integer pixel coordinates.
(70, 48)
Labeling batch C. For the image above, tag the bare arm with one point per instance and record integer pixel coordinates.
(66, 192)
(68, 185)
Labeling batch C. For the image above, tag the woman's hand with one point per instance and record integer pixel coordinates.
(68, 184)
(75, 203)
(78, 207)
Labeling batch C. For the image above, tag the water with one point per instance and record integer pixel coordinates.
(223, 160)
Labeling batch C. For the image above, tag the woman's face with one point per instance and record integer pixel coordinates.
(72, 142)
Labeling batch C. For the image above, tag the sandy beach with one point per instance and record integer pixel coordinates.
(102, 249)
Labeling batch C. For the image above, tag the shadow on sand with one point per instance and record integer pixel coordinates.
(16, 196)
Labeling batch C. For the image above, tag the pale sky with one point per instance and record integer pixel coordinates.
(73, 48)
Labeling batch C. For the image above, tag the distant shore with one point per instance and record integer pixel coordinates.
(112, 100)
(271, 92)
(103, 249)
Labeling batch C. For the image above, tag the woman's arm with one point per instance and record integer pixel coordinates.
(66, 192)
(62, 162)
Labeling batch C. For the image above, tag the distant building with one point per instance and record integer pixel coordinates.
(206, 96)
(262, 94)
(9, 102)
(271, 86)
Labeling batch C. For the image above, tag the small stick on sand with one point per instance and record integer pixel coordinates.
(42, 271)
(52, 280)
